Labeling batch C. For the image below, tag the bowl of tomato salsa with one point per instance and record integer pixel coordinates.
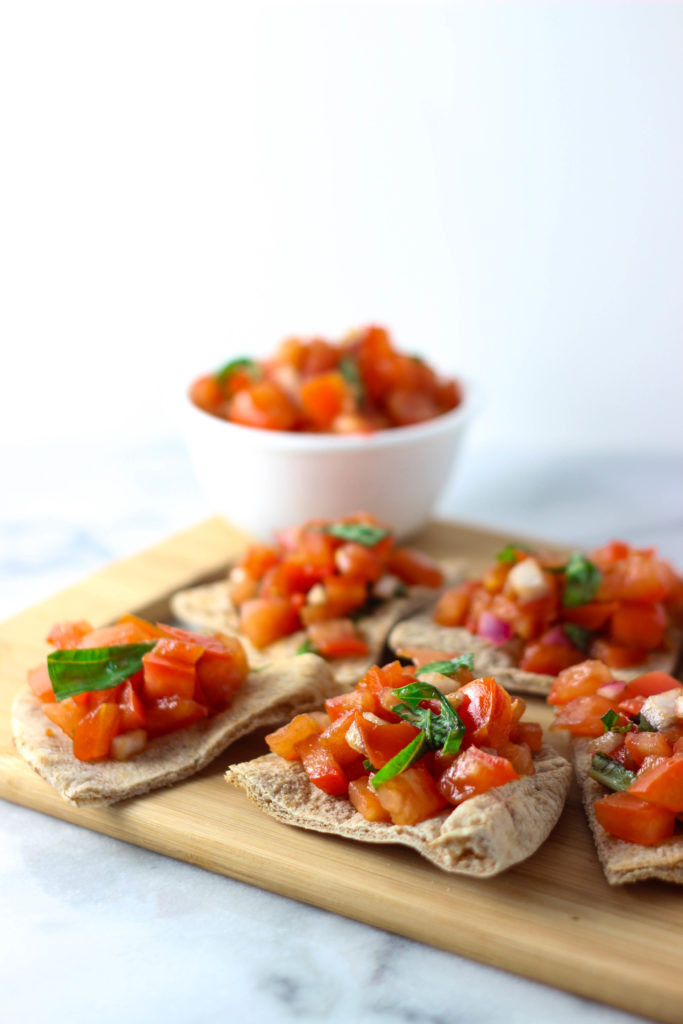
(322, 428)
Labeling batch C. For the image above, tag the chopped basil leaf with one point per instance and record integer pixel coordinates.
(643, 724)
(348, 367)
(444, 731)
(508, 556)
(306, 647)
(368, 765)
(611, 773)
(579, 635)
(582, 581)
(409, 755)
(94, 668)
(447, 668)
(358, 533)
(609, 719)
(235, 365)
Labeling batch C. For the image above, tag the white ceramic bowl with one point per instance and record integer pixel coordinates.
(262, 480)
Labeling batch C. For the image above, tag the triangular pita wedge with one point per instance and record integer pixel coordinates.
(481, 837)
(209, 608)
(624, 862)
(268, 697)
(422, 631)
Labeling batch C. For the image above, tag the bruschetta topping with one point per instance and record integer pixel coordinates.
(637, 746)
(112, 689)
(616, 605)
(398, 748)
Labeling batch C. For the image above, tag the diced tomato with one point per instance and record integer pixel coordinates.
(321, 767)
(257, 559)
(284, 740)
(591, 616)
(146, 630)
(662, 785)
(634, 820)
(415, 568)
(475, 772)
(581, 680)
(337, 638)
(638, 577)
(319, 357)
(548, 659)
(631, 706)
(170, 669)
(486, 711)
(494, 578)
(267, 619)
(356, 700)
(66, 714)
(583, 716)
(610, 553)
(40, 683)
(131, 708)
(358, 562)
(639, 625)
(410, 797)
(111, 636)
(95, 731)
(285, 580)
(333, 739)
(207, 393)
(647, 744)
(343, 595)
(221, 668)
(529, 733)
(323, 398)
(169, 713)
(66, 635)
(617, 656)
(264, 405)
(314, 555)
(453, 605)
(382, 742)
(364, 798)
(519, 756)
(241, 586)
(651, 683)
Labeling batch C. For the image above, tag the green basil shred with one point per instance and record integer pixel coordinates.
(611, 773)
(447, 668)
(579, 635)
(582, 581)
(444, 731)
(358, 533)
(94, 668)
(235, 365)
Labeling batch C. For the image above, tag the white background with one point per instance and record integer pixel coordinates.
(500, 184)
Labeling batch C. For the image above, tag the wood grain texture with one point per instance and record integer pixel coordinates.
(553, 918)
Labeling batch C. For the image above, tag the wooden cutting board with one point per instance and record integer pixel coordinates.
(553, 918)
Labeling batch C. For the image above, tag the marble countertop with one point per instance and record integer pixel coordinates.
(101, 930)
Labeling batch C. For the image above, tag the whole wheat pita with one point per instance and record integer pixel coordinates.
(267, 698)
(624, 862)
(481, 837)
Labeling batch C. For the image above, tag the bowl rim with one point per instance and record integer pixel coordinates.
(388, 438)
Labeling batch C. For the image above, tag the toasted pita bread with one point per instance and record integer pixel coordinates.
(209, 608)
(422, 631)
(268, 697)
(481, 837)
(624, 862)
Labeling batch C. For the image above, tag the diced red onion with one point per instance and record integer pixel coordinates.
(493, 629)
(556, 637)
(612, 691)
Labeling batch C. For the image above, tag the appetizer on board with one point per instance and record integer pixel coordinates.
(119, 711)
(533, 615)
(356, 386)
(335, 588)
(627, 746)
(425, 756)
